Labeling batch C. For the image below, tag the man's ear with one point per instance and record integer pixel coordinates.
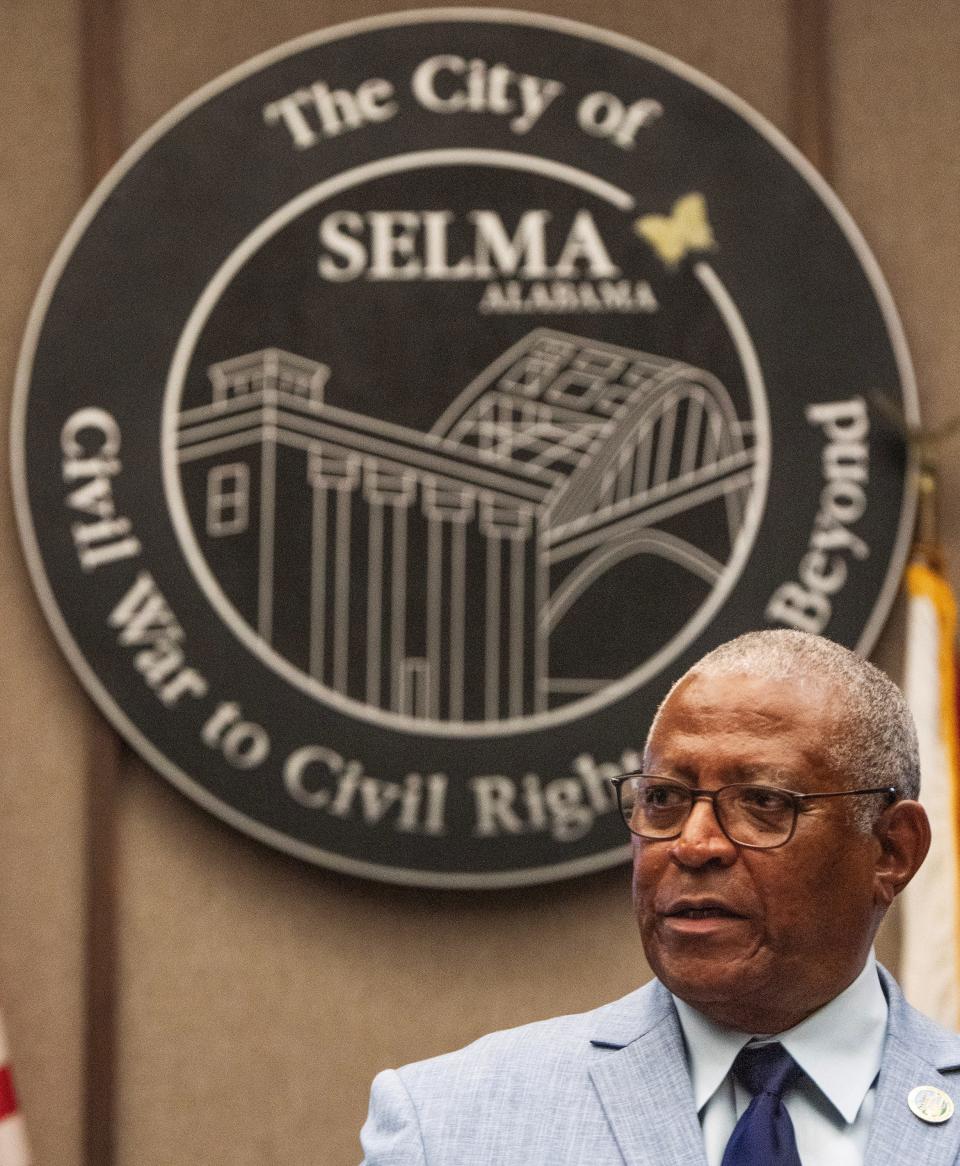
(903, 831)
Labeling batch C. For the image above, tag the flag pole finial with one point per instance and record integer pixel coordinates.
(923, 444)
(926, 542)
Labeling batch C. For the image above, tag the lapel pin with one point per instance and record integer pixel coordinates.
(930, 1103)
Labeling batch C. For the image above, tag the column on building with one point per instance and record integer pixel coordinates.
(448, 506)
(334, 475)
(511, 608)
(389, 490)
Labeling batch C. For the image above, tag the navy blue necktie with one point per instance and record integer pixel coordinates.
(764, 1134)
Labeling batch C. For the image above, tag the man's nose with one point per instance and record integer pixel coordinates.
(702, 840)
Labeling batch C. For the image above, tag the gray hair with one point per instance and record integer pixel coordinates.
(877, 744)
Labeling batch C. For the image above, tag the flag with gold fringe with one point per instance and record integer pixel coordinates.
(14, 1150)
(930, 953)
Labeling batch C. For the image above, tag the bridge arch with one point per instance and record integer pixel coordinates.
(650, 542)
(635, 453)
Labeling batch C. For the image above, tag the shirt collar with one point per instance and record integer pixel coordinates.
(839, 1046)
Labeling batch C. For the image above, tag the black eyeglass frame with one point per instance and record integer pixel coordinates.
(711, 795)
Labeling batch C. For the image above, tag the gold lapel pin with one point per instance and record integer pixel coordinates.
(930, 1103)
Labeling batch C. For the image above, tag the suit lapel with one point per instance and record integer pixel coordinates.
(897, 1135)
(915, 1052)
(644, 1086)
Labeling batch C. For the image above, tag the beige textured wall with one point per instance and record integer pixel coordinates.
(257, 996)
(48, 732)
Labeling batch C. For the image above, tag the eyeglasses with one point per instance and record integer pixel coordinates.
(756, 816)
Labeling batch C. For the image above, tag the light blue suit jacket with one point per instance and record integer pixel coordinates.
(611, 1087)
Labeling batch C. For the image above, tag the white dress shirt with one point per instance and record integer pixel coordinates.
(839, 1048)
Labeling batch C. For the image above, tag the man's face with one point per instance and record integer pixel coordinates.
(756, 939)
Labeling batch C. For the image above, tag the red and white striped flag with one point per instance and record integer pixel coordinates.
(14, 1150)
(930, 954)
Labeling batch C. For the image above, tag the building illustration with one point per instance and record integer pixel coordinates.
(434, 575)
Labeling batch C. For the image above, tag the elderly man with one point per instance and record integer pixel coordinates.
(773, 825)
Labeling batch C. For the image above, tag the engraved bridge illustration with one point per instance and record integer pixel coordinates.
(454, 575)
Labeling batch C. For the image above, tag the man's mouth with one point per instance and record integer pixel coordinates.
(709, 909)
(704, 913)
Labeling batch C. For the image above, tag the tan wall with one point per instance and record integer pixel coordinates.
(254, 996)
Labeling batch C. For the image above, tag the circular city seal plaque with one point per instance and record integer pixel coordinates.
(410, 406)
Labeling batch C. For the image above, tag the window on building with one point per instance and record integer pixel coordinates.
(228, 499)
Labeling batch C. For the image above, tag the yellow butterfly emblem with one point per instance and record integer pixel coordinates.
(685, 229)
